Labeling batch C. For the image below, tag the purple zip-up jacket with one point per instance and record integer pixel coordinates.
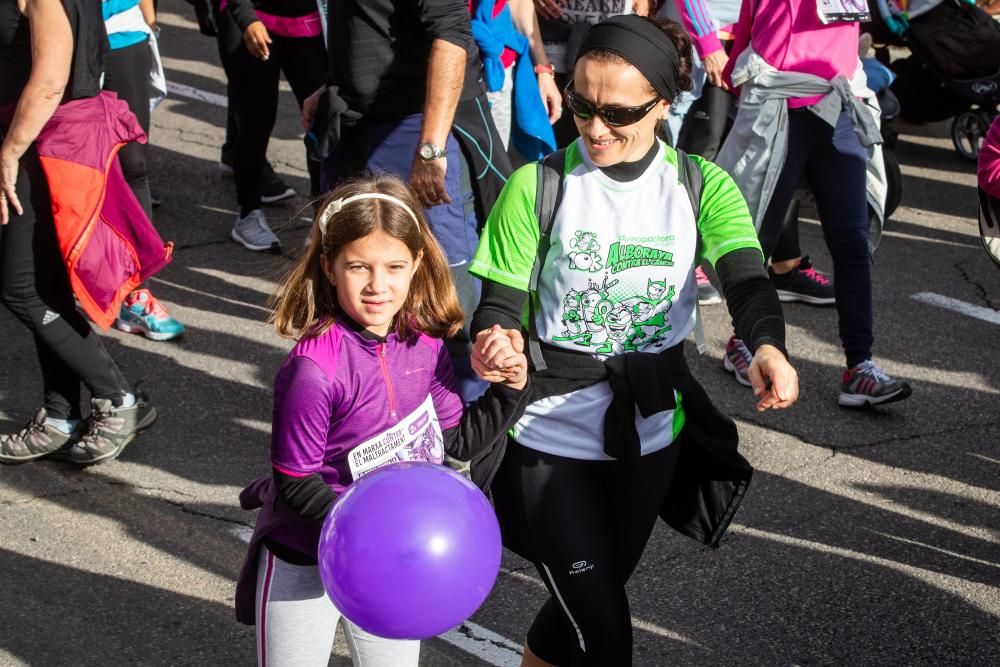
(339, 389)
(346, 404)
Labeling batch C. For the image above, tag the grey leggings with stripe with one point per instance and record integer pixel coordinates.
(297, 622)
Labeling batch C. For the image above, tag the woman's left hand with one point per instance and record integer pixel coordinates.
(8, 195)
(551, 97)
(775, 383)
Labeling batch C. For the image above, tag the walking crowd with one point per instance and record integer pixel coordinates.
(520, 208)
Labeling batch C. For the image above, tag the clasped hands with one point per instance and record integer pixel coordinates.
(498, 356)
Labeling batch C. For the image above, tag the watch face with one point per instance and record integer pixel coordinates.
(426, 151)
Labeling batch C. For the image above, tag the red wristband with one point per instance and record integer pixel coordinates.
(545, 69)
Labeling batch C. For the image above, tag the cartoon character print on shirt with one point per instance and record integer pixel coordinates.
(585, 314)
(649, 320)
(594, 319)
(585, 255)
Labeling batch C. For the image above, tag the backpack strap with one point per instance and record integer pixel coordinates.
(548, 195)
(694, 182)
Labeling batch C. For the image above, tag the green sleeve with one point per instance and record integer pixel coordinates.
(509, 242)
(724, 222)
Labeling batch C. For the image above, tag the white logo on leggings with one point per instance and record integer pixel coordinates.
(581, 566)
(49, 317)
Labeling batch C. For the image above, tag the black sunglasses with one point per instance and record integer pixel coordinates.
(613, 116)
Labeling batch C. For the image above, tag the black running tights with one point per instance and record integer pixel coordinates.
(126, 72)
(587, 535)
(35, 287)
(253, 85)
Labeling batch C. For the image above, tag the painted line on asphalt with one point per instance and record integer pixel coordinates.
(485, 644)
(472, 638)
(968, 309)
(244, 533)
(973, 593)
(192, 93)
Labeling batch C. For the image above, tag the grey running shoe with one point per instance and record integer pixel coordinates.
(35, 440)
(112, 429)
(866, 384)
(253, 232)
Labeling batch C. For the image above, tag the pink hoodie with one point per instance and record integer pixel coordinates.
(789, 35)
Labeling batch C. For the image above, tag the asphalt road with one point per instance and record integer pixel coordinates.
(867, 538)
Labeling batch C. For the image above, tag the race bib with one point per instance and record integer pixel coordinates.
(416, 437)
(843, 11)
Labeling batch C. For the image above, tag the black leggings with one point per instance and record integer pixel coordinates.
(834, 163)
(35, 287)
(787, 246)
(587, 537)
(253, 86)
(126, 72)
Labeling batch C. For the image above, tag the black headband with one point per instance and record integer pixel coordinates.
(653, 53)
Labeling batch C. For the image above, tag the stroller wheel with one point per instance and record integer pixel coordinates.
(967, 132)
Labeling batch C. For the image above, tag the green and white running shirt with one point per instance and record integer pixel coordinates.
(618, 277)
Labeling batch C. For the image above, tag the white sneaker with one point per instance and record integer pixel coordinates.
(253, 232)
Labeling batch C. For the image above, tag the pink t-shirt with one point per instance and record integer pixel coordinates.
(789, 35)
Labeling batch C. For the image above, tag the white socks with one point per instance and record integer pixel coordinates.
(66, 426)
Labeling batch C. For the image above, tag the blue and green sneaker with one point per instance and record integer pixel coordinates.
(142, 314)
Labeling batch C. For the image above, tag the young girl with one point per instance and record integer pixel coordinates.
(369, 302)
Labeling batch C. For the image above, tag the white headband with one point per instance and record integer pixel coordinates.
(336, 205)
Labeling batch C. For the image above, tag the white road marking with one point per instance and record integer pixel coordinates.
(968, 309)
(190, 92)
(974, 594)
(485, 644)
(244, 533)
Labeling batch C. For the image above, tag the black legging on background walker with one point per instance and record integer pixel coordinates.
(586, 535)
(835, 165)
(126, 73)
(36, 289)
(253, 84)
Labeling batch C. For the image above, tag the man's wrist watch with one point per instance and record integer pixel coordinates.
(428, 151)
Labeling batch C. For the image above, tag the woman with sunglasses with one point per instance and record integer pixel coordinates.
(617, 431)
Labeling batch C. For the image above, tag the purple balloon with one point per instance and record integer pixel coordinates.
(410, 551)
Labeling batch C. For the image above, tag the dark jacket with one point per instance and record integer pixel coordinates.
(711, 477)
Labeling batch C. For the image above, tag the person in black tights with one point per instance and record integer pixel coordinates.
(51, 53)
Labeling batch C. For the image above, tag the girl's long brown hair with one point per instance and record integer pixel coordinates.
(305, 301)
